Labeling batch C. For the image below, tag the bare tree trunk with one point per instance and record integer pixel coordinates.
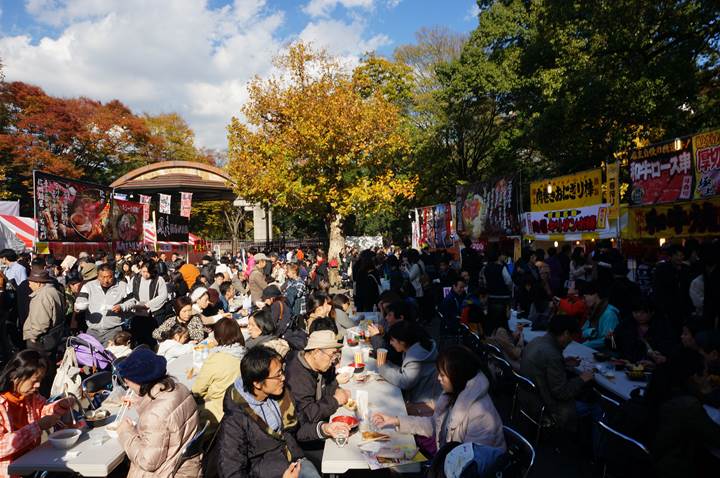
(337, 241)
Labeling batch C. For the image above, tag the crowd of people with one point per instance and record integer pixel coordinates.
(268, 395)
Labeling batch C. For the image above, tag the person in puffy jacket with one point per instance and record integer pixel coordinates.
(167, 419)
(463, 413)
(417, 376)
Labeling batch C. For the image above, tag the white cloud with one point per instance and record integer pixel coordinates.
(473, 12)
(321, 8)
(159, 57)
(340, 38)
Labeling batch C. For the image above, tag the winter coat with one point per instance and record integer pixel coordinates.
(248, 448)
(608, 320)
(219, 371)
(313, 392)
(165, 425)
(98, 304)
(47, 309)
(417, 376)
(256, 284)
(172, 349)
(543, 363)
(196, 329)
(15, 441)
(471, 418)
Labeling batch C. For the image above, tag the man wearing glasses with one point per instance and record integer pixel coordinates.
(312, 383)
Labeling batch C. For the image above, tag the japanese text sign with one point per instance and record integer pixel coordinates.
(581, 220)
(574, 190)
(127, 225)
(695, 218)
(172, 228)
(71, 211)
(662, 173)
(706, 151)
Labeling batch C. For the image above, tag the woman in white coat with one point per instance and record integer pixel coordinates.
(464, 412)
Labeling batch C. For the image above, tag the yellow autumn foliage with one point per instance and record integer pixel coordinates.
(311, 141)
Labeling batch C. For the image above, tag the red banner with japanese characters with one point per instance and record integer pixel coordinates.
(662, 173)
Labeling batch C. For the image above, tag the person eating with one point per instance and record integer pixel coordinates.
(24, 413)
(314, 388)
(464, 412)
(167, 419)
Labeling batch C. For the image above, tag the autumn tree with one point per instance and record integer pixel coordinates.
(313, 142)
(78, 137)
(174, 140)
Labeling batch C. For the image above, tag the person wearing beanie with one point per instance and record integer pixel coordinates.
(167, 419)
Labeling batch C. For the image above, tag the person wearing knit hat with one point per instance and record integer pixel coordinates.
(167, 418)
(310, 376)
(189, 274)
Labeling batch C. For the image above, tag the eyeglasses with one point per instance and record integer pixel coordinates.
(277, 376)
(335, 355)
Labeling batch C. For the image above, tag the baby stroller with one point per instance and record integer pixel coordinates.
(85, 371)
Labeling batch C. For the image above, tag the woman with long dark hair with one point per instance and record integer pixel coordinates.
(167, 419)
(464, 412)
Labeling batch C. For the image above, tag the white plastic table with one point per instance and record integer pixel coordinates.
(382, 397)
(95, 454)
(178, 368)
(619, 385)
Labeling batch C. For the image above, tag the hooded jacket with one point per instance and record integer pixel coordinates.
(248, 447)
(219, 371)
(471, 418)
(417, 376)
(165, 425)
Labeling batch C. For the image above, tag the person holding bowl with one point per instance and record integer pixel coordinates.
(24, 413)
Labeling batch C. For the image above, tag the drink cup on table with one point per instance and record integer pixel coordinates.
(341, 439)
(381, 356)
(365, 355)
(358, 357)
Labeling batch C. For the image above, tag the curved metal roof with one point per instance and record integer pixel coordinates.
(206, 182)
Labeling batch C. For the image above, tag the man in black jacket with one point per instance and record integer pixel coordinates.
(312, 383)
(260, 429)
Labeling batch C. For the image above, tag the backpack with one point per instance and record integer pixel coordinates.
(90, 352)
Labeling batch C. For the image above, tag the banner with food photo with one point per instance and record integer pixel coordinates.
(172, 228)
(706, 151)
(574, 190)
(573, 224)
(662, 173)
(67, 210)
(693, 218)
(127, 225)
(489, 209)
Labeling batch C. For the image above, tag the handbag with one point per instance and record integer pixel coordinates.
(52, 338)
(68, 379)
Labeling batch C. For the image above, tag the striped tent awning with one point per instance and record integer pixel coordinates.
(22, 227)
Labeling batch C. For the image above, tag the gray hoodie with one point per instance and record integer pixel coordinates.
(417, 376)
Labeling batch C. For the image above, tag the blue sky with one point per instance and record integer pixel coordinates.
(195, 57)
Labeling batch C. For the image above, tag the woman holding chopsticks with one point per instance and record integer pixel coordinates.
(167, 419)
(24, 413)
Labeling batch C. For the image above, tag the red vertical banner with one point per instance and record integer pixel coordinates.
(185, 204)
(145, 201)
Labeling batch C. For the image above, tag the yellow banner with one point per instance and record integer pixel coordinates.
(684, 219)
(613, 189)
(574, 190)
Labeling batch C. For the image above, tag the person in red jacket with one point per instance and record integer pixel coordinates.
(24, 413)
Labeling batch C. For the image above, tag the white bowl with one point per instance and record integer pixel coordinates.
(64, 439)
